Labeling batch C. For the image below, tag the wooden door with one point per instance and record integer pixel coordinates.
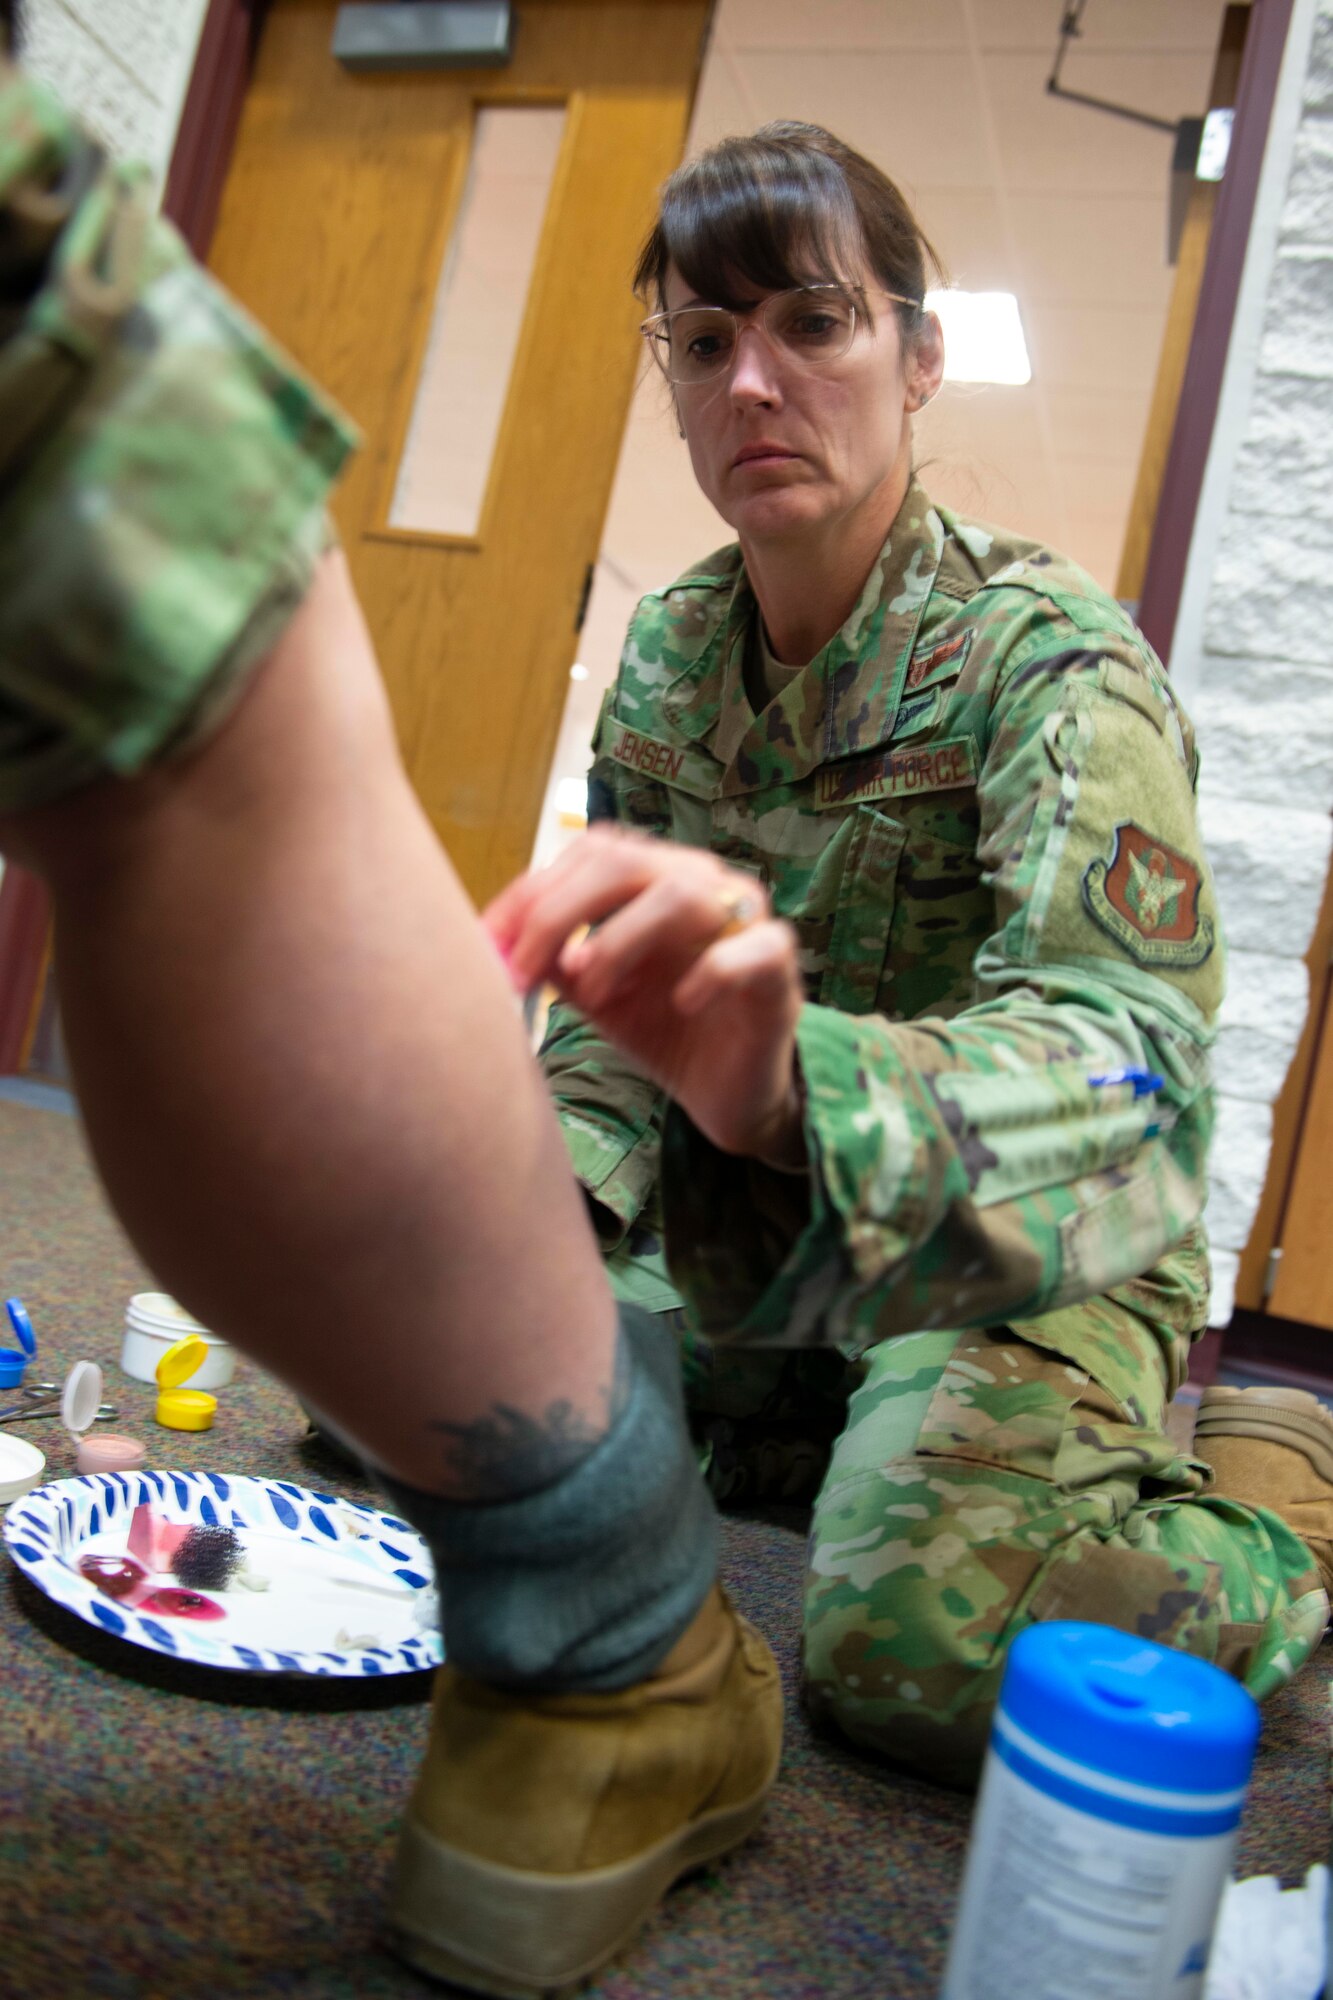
(336, 219)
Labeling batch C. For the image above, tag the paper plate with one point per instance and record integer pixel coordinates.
(351, 1591)
(21, 1466)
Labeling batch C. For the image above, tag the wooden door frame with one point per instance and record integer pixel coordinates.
(204, 138)
(209, 117)
(1210, 340)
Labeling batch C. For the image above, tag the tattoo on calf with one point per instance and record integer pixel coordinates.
(511, 1452)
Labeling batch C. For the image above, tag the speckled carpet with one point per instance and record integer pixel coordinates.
(170, 1834)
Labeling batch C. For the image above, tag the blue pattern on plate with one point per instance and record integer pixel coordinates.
(46, 1528)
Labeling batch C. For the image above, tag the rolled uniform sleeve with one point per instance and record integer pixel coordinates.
(611, 1117)
(1000, 1164)
(609, 1112)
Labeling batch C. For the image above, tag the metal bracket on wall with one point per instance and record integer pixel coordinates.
(425, 34)
(1271, 1271)
(1070, 31)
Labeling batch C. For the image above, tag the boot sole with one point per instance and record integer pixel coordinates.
(449, 1908)
(1291, 1417)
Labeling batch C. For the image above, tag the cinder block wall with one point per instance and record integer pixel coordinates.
(125, 64)
(1253, 653)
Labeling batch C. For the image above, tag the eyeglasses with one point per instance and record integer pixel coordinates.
(811, 325)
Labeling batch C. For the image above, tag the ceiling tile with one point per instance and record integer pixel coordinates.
(841, 24)
(720, 108)
(1122, 24)
(1091, 248)
(1101, 423)
(965, 226)
(1044, 144)
(982, 450)
(1096, 493)
(900, 109)
(1093, 347)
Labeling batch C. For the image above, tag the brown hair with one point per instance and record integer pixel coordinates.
(789, 205)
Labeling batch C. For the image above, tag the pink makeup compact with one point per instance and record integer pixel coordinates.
(107, 1451)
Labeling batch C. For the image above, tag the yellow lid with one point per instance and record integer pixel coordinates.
(184, 1409)
(181, 1360)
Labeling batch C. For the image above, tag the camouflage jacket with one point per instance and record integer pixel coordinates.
(976, 806)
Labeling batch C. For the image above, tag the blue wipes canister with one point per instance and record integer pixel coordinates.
(1106, 1823)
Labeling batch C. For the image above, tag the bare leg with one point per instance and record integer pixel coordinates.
(306, 1086)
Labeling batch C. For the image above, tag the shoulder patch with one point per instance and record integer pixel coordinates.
(1146, 896)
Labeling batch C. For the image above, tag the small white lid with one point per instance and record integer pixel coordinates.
(80, 1397)
(21, 1468)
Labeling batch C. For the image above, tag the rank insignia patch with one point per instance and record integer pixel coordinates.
(951, 653)
(1147, 897)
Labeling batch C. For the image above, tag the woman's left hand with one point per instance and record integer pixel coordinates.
(687, 972)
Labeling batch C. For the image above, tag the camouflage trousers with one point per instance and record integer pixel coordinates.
(975, 1484)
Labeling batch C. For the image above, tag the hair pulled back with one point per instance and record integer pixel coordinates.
(788, 205)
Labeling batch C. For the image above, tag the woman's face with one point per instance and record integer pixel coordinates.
(785, 448)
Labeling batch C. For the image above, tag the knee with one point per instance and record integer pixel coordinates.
(911, 1597)
(913, 1689)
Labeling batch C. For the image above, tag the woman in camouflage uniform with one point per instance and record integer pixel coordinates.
(943, 1116)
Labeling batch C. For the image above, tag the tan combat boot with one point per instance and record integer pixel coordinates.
(544, 1829)
(1274, 1448)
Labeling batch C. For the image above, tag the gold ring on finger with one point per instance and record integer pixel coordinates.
(741, 908)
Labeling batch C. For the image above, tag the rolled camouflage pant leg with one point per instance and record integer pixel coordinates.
(984, 1484)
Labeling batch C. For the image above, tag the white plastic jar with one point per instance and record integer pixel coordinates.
(153, 1323)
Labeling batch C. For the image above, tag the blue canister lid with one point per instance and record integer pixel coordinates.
(1130, 1708)
(22, 1325)
(12, 1365)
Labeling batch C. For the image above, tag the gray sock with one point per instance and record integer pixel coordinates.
(587, 1583)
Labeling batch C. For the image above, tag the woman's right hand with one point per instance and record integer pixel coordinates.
(687, 972)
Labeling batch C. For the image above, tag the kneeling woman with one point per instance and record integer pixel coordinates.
(946, 1110)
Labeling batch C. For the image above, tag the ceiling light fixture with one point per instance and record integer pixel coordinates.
(983, 337)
